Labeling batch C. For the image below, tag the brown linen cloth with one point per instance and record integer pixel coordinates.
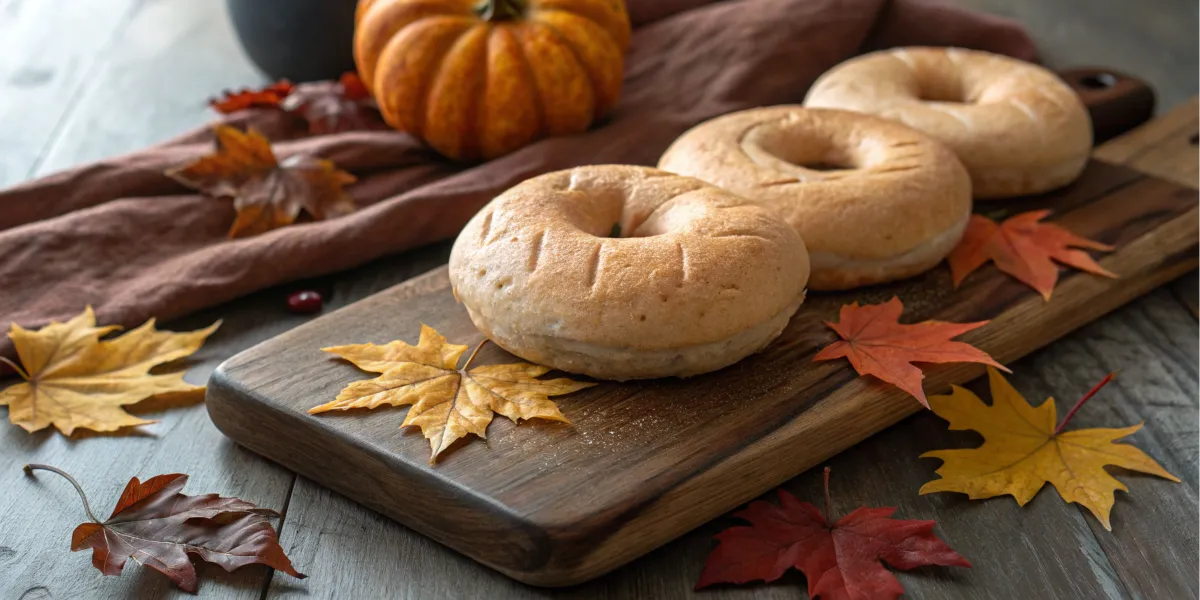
(119, 235)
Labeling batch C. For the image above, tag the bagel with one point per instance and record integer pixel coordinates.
(623, 272)
(873, 200)
(1017, 127)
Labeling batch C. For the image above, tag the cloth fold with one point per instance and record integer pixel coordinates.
(121, 236)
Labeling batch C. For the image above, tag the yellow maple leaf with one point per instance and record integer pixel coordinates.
(1023, 449)
(73, 379)
(447, 402)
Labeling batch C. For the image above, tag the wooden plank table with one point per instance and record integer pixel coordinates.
(108, 76)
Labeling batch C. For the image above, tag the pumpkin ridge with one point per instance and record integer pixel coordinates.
(472, 126)
(361, 10)
(476, 121)
(542, 127)
(392, 14)
(602, 18)
(583, 65)
(535, 14)
(571, 52)
(427, 82)
(598, 109)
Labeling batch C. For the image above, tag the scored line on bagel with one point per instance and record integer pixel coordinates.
(873, 200)
(1017, 127)
(698, 279)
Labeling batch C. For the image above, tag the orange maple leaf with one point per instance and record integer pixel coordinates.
(1025, 248)
(269, 97)
(267, 193)
(878, 344)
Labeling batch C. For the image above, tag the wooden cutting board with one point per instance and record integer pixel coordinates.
(641, 463)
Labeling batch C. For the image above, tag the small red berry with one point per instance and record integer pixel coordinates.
(304, 302)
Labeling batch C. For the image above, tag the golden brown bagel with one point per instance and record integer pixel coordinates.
(697, 279)
(873, 200)
(1016, 127)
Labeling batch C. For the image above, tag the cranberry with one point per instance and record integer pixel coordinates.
(304, 302)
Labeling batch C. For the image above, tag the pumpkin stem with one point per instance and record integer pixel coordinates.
(499, 10)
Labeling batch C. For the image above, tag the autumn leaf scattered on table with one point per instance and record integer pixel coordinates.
(159, 527)
(267, 194)
(325, 106)
(447, 402)
(1023, 449)
(73, 379)
(878, 344)
(1025, 248)
(266, 97)
(840, 560)
(335, 107)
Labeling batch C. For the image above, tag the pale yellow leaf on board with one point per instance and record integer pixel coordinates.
(448, 403)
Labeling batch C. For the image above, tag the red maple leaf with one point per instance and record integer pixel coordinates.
(267, 97)
(840, 561)
(1025, 248)
(878, 344)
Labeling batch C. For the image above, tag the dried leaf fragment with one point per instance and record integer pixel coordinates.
(268, 96)
(330, 107)
(266, 193)
(325, 106)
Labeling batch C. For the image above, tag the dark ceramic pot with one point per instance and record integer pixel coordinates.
(300, 40)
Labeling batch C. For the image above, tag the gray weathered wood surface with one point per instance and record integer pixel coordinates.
(100, 77)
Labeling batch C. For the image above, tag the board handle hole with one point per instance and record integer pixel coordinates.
(1099, 81)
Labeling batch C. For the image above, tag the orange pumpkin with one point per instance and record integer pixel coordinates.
(481, 78)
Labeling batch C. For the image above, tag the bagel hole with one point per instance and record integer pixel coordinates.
(822, 165)
(943, 95)
(1098, 81)
(772, 143)
(943, 87)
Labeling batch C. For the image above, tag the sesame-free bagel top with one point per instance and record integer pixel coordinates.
(691, 264)
(1016, 126)
(873, 200)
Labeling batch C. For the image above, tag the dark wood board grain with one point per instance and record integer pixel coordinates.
(555, 504)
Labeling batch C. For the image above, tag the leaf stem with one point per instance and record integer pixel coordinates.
(473, 353)
(828, 522)
(29, 469)
(16, 368)
(1085, 398)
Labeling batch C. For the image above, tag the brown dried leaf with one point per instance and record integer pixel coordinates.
(267, 194)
